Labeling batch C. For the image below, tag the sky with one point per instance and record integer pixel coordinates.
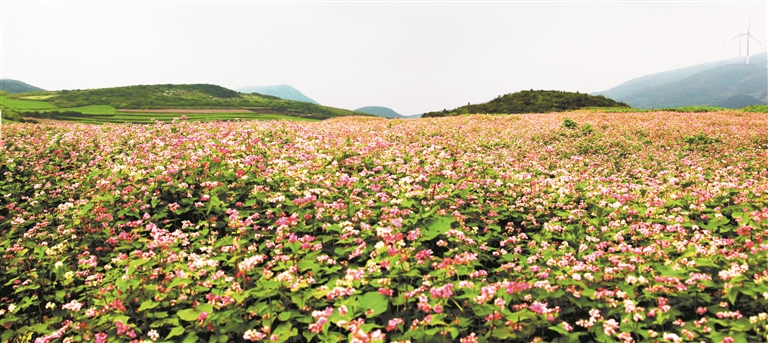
(413, 57)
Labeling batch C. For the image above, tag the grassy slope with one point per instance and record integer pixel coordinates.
(104, 104)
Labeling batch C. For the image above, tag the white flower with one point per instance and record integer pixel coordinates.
(153, 335)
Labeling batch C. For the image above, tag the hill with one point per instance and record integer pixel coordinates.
(533, 101)
(281, 91)
(730, 83)
(14, 86)
(147, 100)
(656, 79)
(711, 87)
(380, 111)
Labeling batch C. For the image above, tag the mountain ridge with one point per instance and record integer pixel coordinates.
(282, 91)
(380, 111)
(728, 83)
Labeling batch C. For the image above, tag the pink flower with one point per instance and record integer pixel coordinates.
(73, 306)
(472, 338)
(538, 307)
(392, 325)
(610, 326)
(444, 291)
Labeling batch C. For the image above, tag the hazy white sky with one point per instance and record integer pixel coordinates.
(410, 56)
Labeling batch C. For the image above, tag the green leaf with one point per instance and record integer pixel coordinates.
(147, 304)
(374, 301)
(191, 338)
(176, 331)
(437, 226)
(179, 281)
(214, 166)
(134, 264)
(190, 314)
(503, 333)
(284, 316)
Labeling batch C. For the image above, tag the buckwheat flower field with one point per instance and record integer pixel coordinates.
(562, 227)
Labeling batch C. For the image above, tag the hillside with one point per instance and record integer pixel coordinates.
(656, 79)
(14, 86)
(531, 101)
(380, 111)
(189, 96)
(730, 83)
(281, 91)
(727, 86)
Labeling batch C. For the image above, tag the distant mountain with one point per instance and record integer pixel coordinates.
(281, 91)
(739, 101)
(14, 86)
(531, 101)
(731, 83)
(656, 79)
(380, 111)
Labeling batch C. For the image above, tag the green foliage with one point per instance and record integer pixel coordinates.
(696, 109)
(531, 101)
(701, 138)
(12, 116)
(756, 109)
(568, 123)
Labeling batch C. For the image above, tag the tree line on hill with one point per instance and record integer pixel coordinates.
(533, 101)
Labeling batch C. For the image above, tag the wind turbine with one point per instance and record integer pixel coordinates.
(739, 37)
(749, 35)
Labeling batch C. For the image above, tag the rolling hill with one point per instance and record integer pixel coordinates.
(533, 101)
(281, 91)
(729, 84)
(212, 100)
(14, 86)
(380, 111)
